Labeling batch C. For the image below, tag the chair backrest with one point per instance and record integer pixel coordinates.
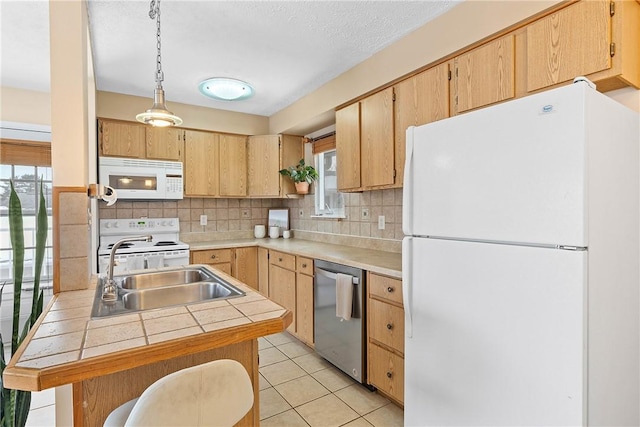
(217, 393)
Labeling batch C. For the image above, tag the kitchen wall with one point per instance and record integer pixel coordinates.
(235, 218)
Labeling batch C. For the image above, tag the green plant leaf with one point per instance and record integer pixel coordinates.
(16, 231)
(41, 242)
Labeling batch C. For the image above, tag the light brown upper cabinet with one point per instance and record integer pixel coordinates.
(232, 165)
(377, 164)
(421, 99)
(267, 154)
(121, 139)
(165, 143)
(348, 147)
(484, 75)
(201, 175)
(598, 39)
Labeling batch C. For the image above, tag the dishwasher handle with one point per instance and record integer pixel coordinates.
(332, 275)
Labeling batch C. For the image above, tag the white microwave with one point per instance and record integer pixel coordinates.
(142, 179)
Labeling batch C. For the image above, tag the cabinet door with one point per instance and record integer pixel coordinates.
(571, 42)
(348, 146)
(386, 324)
(386, 372)
(282, 290)
(233, 165)
(201, 164)
(304, 308)
(165, 143)
(485, 75)
(421, 99)
(245, 266)
(263, 165)
(263, 271)
(376, 139)
(121, 139)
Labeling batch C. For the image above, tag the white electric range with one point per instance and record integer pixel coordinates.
(164, 250)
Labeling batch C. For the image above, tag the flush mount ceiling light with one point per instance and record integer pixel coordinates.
(158, 114)
(225, 89)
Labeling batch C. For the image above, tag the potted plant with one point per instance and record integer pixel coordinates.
(15, 403)
(302, 175)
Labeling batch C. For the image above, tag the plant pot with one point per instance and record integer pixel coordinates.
(302, 187)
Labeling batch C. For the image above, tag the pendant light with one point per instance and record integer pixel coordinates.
(158, 114)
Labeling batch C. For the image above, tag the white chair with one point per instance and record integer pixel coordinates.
(217, 393)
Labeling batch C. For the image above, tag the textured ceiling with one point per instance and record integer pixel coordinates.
(285, 49)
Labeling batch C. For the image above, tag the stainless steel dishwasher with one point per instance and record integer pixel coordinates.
(340, 341)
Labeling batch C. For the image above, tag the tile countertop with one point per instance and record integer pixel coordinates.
(67, 346)
(381, 262)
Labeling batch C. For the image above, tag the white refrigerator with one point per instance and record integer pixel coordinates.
(521, 264)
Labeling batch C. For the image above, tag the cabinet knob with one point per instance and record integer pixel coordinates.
(279, 259)
(390, 289)
(389, 374)
(389, 326)
(213, 257)
(304, 265)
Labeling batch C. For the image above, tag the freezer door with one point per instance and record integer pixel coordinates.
(513, 172)
(498, 335)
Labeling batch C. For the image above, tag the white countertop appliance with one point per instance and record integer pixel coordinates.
(165, 249)
(142, 179)
(521, 264)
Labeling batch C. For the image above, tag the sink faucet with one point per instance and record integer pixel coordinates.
(110, 290)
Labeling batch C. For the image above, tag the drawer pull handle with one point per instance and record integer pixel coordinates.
(390, 289)
(279, 259)
(213, 257)
(389, 326)
(389, 374)
(304, 265)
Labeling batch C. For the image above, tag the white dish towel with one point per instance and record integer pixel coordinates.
(344, 295)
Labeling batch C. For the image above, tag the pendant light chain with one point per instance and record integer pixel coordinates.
(154, 13)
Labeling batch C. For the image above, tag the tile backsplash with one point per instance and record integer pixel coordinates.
(237, 217)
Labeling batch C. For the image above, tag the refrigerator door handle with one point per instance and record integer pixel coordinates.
(407, 189)
(406, 284)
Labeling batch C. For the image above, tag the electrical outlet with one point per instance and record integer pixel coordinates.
(381, 222)
(203, 220)
(301, 213)
(365, 214)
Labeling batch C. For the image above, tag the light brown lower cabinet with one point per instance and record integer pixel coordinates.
(385, 336)
(304, 300)
(241, 263)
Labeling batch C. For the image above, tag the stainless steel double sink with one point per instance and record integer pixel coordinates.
(165, 288)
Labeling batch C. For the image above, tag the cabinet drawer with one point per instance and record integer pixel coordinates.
(213, 256)
(386, 371)
(385, 287)
(386, 324)
(304, 265)
(283, 260)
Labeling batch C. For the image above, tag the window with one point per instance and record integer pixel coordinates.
(329, 201)
(26, 181)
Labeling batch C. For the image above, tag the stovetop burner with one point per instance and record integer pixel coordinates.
(122, 246)
(165, 243)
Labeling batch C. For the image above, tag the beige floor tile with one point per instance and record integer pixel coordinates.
(279, 338)
(358, 422)
(281, 372)
(271, 403)
(263, 343)
(294, 349)
(263, 384)
(289, 418)
(301, 390)
(360, 399)
(269, 356)
(387, 416)
(333, 379)
(311, 362)
(328, 411)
